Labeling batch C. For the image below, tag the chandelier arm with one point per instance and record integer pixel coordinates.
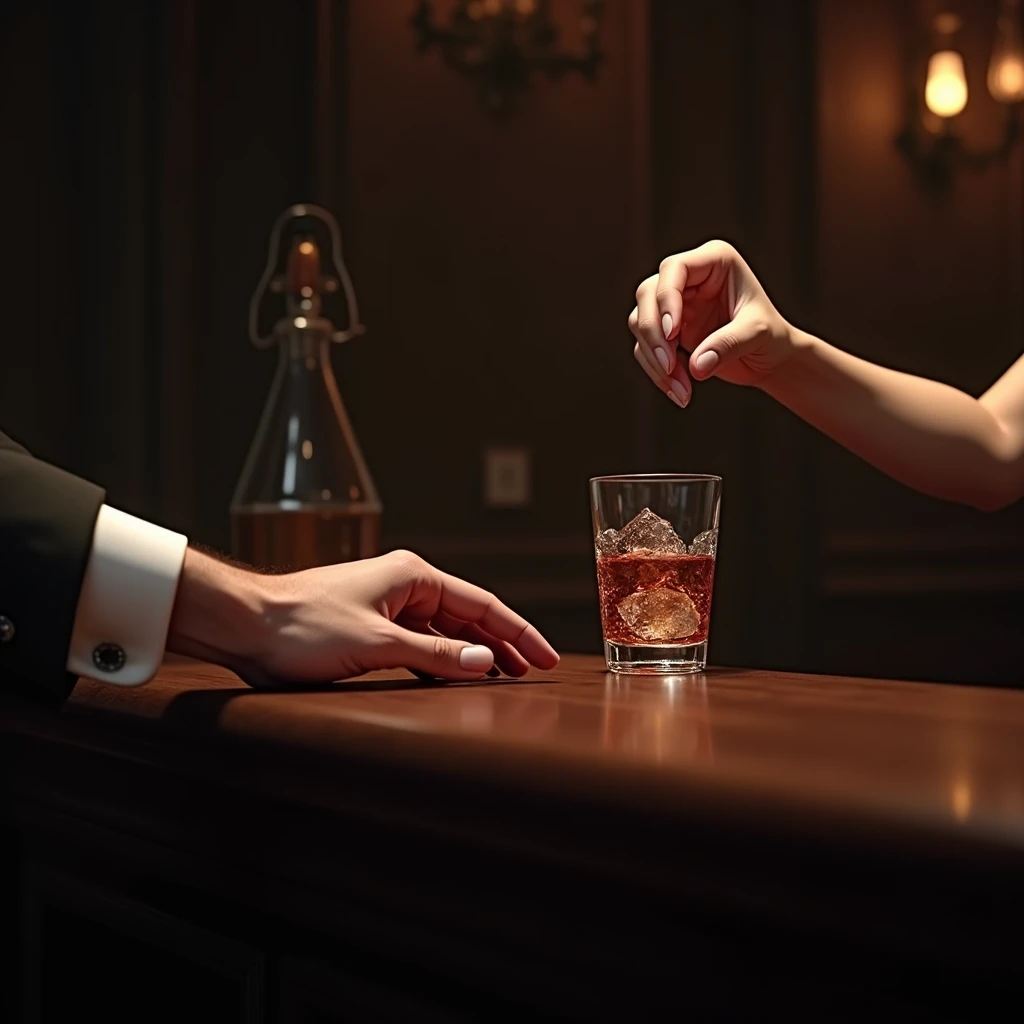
(527, 40)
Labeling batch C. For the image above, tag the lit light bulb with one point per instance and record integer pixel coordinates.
(1006, 68)
(945, 92)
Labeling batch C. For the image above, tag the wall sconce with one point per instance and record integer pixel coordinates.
(500, 43)
(929, 140)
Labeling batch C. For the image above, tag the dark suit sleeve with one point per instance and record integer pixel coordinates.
(47, 517)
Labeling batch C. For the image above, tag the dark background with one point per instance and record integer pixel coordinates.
(149, 146)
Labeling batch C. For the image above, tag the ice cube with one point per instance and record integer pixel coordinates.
(705, 543)
(661, 614)
(607, 542)
(649, 532)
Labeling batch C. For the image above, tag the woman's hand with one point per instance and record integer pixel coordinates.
(928, 435)
(708, 303)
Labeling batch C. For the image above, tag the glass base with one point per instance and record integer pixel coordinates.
(656, 659)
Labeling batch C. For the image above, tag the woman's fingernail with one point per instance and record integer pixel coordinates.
(680, 394)
(675, 398)
(662, 356)
(706, 361)
(476, 658)
(666, 325)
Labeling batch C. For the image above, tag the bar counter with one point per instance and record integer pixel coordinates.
(575, 845)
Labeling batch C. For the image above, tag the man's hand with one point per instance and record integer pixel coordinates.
(708, 302)
(316, 626)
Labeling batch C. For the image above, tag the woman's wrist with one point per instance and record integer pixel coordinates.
(795, 371)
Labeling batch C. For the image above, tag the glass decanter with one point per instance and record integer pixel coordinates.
(305, 496)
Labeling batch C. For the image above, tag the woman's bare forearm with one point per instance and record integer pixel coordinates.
(708, 303)
(925, 434)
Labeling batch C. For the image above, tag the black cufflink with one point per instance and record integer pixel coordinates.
(6, 629)
(108, 657)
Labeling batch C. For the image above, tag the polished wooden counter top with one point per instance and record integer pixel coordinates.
(571, 838)
(919, 758)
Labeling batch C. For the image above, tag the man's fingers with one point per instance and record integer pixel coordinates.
(432, 592)
(493, 672)
(470, 603)
(506, 657)
(438, 656)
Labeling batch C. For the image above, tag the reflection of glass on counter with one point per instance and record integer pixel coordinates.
(960, 798)
(671, 721)
(490, 710)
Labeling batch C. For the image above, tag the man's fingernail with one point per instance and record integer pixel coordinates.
(666, 325)
(662, 356)
(680, 395)
(476, 658)
(706, 361)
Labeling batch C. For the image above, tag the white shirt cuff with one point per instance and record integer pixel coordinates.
(124, 608)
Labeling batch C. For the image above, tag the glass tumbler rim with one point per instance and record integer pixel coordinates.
(682, 478)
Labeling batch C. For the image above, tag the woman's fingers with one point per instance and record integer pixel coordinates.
(675, 385)
(669, 294)
(663, 300)
(723, 346)
(649, 329)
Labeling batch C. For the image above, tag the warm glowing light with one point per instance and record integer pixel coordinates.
(492, 6)
(1006, 80)
(945, 92)
(300, 321)
(1006, 68)
(525, 7)
(306, 248)
(307, 449)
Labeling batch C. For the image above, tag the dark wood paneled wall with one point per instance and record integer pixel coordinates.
(495, 264)
(791, 155)
(721, 172)
(495, 261)
(930, 284)
(155, 145)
